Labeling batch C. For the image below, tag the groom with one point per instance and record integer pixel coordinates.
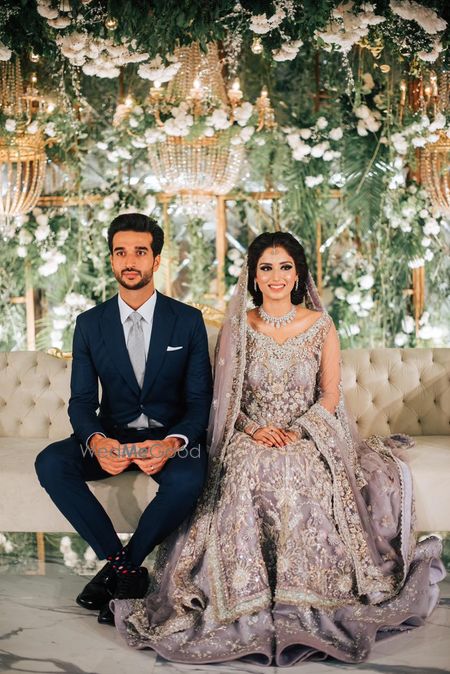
(150, 354)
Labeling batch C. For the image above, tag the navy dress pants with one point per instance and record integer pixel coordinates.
(64, 467)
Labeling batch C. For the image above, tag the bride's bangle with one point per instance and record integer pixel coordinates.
(251, 429)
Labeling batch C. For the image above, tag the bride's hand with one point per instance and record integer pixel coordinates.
(271, 436)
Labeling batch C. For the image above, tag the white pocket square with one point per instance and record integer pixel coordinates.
(174, 348)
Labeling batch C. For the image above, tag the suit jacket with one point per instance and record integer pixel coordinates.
(177, 388)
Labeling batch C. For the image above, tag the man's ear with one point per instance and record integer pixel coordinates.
(156, 262)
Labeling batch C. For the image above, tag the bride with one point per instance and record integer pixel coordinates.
(302, 544)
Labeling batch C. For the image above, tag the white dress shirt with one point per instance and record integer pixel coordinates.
(146, 310)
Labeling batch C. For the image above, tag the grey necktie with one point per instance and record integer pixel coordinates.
(136, 346)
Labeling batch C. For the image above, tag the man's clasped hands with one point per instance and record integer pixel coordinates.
(149, 455)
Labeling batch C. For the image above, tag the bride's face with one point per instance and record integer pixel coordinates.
(276, 274)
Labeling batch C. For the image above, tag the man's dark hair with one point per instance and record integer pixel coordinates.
(137, 222)
(293, 247)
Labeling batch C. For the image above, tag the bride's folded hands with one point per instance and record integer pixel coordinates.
(271, 436)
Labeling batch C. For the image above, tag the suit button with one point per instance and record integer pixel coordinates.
(142, 407)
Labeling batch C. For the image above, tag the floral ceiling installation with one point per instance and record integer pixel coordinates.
(337, 111)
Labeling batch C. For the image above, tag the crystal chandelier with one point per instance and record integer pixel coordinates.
(435, 157)
(206, 166)
(22, 154)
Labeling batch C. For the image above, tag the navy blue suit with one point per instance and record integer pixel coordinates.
(176, 392)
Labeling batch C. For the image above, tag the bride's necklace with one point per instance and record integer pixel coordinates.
(277, 321)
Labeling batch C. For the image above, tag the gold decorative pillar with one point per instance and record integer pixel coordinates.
(319, 257)
(165, 200)
(221, 246)
(418, 293)
(30, 309)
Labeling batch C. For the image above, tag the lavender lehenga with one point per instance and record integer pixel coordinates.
(292, 553)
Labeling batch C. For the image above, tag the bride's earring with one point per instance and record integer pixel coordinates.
(296, 285)
(255, 286)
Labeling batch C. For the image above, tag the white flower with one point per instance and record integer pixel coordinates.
(25, 237)
(301, 151)
(379, 101)
(233, 254)
(247, 133)
(42, 219)
(153, 136)
(260, 24)
(155, 70)
(426, 332)
(337, 179)
(10, 125)
(419, 141)
(354, 329)
(362, 129)
(426, 17)
(305, 133)
(321, 123)
(50, 130)
(8, 546)
(5, 52)
(367, 302)
(243, 113)
(348, 27)
(399, 143)
(433, 55)
(60, 22)
(408, 325)
(318, 150)
(234, 270)
(336, 134)
(288, 51)
(103, 216)
(369, 84)
(431, 227)
(428, 255)
(209, 132)
(44, 9)
(426, 242)
(362, 112)
(405, 226)
(438, 122)
(42, 232)
(21, 251)
(400, 339)
(313, 181)
(366, 281)
(33, 127)
(150, 203)
(219, 119)
(354, 297)
(340, 293)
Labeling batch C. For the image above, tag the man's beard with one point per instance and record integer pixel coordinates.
(145, 280)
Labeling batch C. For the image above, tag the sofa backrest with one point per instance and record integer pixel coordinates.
(387, 390)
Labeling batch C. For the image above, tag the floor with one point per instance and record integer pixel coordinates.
(42, 629)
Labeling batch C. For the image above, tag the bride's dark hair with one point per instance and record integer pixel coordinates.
(293, 247)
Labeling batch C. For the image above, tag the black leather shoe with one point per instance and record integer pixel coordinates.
(99, 590)
(106, 616)
(132, 585)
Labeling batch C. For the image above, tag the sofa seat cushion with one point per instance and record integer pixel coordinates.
(25, 505)
(429, 461)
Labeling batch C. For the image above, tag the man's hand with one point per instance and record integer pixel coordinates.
(107, 452)
(158, 453)
(271, 436)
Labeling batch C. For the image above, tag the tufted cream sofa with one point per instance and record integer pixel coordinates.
(387, 390)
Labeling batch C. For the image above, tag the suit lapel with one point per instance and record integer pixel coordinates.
(114, 338)
(162, 328)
